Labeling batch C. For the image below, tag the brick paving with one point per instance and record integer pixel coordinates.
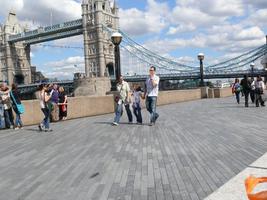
(194, 149)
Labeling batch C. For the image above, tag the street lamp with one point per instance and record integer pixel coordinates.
(252, 69)
(116, 39)
(201, 57)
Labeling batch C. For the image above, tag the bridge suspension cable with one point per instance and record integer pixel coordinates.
(150, 57)
(246, 57)
(144, 50)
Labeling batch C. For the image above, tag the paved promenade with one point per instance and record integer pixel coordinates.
(194, 149)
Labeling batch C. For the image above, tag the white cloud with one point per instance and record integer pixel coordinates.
(257, 3)
(258, 17)
(64, 69)
(138, 22)
(222, 8)
(251, 33)
(182, 28)
(40, 11)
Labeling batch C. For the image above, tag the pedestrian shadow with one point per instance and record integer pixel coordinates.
(123, 123)
(235, 106)
(32, 130)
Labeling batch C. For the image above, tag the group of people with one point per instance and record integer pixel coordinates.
(126, 97)
(53, 104)
(250, 87)
(9, 102)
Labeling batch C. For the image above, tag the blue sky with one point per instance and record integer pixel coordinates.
(181, 29)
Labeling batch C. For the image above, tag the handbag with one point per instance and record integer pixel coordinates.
(20, 107)
(117, 97)
(64, 108)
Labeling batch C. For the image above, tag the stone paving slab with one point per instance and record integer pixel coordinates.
(194, 149)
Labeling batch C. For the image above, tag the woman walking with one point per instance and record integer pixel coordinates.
(62, 104)
(17, 106)
(44, 98)
(237, 89)
(8, 114)
(259, 90)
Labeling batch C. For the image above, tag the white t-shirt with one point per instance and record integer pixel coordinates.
(152, 91)
(136, 97)
(41, 97)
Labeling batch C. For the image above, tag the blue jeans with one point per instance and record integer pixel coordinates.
(9, 118)
(119, 112)
(151, 105)
(2, 117)
(237, 96)
(137, 112)
(18, 122)
(46, 119)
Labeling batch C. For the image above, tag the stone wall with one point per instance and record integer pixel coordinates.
(90, 106)
(222, 92)
(77, 107)
(176, 96)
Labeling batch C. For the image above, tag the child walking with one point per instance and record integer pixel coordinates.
(137, 94)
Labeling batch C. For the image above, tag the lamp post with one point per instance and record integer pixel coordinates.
(252, 69)
(116, 39)
(200, 57)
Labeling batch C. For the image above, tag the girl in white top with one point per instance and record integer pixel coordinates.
(44, 98)
(137, 94)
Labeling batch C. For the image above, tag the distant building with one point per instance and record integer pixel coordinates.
(37, 76)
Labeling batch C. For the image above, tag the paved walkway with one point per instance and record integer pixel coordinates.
(194, 149)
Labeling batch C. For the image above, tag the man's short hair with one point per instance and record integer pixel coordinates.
(154, 68)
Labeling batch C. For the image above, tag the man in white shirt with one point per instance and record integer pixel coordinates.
(151, 94)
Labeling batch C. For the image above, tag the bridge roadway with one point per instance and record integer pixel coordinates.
(194, 149)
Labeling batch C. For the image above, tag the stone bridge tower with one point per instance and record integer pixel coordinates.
(98, 48)
(15, 63)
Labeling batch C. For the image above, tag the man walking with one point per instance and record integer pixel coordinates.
(151, 94)
(246, 87)
(122, 98)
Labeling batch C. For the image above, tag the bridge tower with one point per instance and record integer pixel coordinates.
(15, 65)
(98, 48)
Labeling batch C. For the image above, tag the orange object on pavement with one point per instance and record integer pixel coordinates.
(251, 182)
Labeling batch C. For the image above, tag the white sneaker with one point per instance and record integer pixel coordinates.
(115, 124)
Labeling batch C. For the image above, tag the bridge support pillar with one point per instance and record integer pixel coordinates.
(14, 57)
(204, 92)
(87, 86)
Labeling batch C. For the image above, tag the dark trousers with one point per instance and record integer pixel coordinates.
(258, 99)
(9, 118)
(246, 93)
(237, 96)
(252, 96)
(137, 113)
(119, 112)
(129, 112)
